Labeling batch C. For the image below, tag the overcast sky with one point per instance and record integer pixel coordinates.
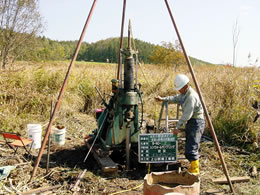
(206, 26)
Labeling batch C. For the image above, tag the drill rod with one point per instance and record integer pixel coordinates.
(99, 129)
(121, 42)
(103, 100)
(128, 145)
(212, 131)
(49, 144)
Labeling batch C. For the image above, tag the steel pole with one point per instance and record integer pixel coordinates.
(49, 144)
(128, 145)
(212, 131)
(121, 41)
(62, 91)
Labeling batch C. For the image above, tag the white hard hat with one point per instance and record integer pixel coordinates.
(180, 81)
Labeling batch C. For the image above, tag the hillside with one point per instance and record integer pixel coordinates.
(197, 62)
(100, 51)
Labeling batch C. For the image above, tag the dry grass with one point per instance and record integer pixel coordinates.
(26, 93)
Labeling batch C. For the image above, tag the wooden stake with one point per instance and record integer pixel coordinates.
(41, 189)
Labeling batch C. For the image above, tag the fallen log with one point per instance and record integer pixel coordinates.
(233, 180)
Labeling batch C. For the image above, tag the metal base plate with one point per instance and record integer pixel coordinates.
(105, 162)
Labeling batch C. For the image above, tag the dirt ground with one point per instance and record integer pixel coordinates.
(66, 162)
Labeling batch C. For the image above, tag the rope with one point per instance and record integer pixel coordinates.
(128, 189)
(149, 167)
(140, 65)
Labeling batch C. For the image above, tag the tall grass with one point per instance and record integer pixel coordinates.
(26, 94)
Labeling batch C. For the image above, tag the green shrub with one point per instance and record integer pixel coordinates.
(86, 90)
(48, 82)
(233, 127)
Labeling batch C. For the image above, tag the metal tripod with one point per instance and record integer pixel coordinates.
(167, 120)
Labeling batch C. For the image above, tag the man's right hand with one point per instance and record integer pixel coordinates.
(158, 98)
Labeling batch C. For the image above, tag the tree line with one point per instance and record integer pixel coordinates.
(166, 54)
(100, 51)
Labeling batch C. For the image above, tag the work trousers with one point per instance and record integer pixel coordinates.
(194, 131)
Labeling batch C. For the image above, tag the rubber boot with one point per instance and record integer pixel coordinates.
(194, 167)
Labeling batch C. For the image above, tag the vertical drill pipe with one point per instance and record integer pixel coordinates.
(62, 90)
(212, 131)
(48, 155)
(121, 41)
(128, 145)
(129, 34)
(49, 143)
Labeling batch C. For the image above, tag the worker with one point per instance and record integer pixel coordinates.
(192, 118)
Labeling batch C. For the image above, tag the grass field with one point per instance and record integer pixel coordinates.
(27, 90)
(26, 93)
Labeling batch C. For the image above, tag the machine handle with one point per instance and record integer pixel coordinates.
(103, 100)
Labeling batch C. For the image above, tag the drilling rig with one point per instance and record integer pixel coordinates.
(118, 123)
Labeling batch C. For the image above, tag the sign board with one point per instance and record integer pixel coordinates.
(157, 148)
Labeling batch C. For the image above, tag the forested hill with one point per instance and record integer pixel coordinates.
(100, 51)
(108, 49)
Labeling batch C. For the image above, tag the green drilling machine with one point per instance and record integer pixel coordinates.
(118, 123)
